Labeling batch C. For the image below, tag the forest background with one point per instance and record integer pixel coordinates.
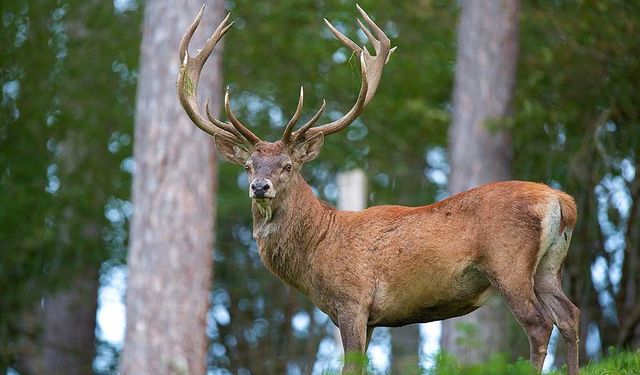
(69, 74)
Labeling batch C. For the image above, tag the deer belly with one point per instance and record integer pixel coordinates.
(421, 302)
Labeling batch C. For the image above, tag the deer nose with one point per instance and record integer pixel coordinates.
(260, 185)
(260, 188)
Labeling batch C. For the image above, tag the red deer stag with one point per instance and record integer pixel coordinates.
(393, 265)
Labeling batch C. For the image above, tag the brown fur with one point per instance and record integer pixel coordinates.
(394, 265)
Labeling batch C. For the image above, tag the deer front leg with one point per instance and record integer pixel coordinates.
(353, 330)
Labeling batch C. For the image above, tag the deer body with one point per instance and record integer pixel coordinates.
(393, 265)
(406, 265)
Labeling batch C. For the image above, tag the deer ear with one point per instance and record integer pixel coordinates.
(231, 151)
(309, 149)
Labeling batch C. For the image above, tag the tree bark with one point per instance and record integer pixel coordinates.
(405, 342)
(59, 333)
(69, 327)
(171, 244)
(480, 147)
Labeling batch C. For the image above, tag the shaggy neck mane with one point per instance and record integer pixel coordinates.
(288, 232)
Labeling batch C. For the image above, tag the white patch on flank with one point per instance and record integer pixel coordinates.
(557, 252)
(553, 243)
(550, 225)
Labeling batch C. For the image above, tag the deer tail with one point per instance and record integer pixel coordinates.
(568, 211)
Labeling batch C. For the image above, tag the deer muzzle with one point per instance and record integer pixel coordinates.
(261, 188)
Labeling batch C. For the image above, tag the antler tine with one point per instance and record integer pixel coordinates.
(186, 38)
(341, 37)
(349, 117)
(220, 31)
(222, 125)
(382, 46)
(382, 37)
(370, 66)
(303, 129)
(286, 136)
(189, 76)
(246, 133)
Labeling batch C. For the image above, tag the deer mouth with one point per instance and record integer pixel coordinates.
(262, 199)
(262, 196)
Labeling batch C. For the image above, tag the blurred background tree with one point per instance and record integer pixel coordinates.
(578, 102)
(480, 149)
(68, 76)
(68, 81)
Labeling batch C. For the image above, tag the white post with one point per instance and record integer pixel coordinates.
(352, 190)
(352, 196)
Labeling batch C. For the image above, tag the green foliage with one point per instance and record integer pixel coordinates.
(577, 126)
(447, 365)
(354, 362)
(577, 62)
(467, 335)
(68, 77)
(67, 113)
(617, 362)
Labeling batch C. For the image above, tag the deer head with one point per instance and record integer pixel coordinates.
(272, 165)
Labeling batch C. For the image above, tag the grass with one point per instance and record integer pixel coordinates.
(616, 362)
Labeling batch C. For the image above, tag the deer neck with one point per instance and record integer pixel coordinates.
(288, 233)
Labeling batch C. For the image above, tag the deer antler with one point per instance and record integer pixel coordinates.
(187, 87)
(286, 137)
(371, 68)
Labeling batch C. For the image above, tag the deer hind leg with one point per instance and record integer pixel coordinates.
(531, 315)
(566, 316)
(548, 288)
(514, 281)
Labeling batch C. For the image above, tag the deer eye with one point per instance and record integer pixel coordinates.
(287, 167)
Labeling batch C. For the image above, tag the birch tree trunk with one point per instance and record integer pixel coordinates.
(480, 148)
(170, 249)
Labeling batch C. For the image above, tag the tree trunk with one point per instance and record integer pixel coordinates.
(405, 342)
(480, 147)
(59, 333)
(69, 327)
(171, 244)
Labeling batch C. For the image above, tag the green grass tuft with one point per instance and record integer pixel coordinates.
(448, 365)
(616, 362)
